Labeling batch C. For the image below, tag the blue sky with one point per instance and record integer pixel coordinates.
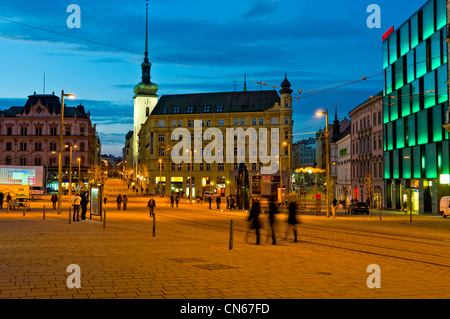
(317, 43)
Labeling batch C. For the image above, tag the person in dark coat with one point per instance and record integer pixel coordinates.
(253, 218)
(119, 201)
(218, 199)
(292, 219)
(151, 205)
(125, 202)
(84, 202)
(273, 210)
(172, 200)
(177, 199)
(54, 200)
(1, 200)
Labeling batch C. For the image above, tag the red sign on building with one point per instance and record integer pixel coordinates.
(388, 33)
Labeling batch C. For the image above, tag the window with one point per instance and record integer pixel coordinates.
(176, 110)
(81, 131)
(160, 123)
(253, 122)
(165, 110)
(190, 109)
(82, 147)
(68, 130)
(208, 122)
(53, 131)
(160, 166)
(219, 109)
(9, 146)
(286, 120)
(37, 161)
(274, 120)
(160, 137)
(174, 123)
(180, 123)
(201, 167)
(179, 167)
(190, 123)
(38, 146)
(236, 122)
(161, 152)
(38, 131)
(23, 131)
(172, 167)
(261, 121)
(8, 160)
(220, 122)
(220, 167)
(9, 131)
(206, 108)
(23, 161)
(242, 121)
(23, 146)
(208, 167)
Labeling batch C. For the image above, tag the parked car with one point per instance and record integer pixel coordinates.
(444, 206)
(358, 208)
(208, 194)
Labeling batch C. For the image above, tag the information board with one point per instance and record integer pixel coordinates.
(22, 175)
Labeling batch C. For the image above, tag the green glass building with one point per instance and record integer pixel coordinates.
(415, 102)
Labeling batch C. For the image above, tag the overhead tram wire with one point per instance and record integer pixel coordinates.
(313, 91)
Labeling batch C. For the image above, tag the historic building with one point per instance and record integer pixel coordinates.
(29, 136)
(415, 102)
(367, 151)
(241, 126)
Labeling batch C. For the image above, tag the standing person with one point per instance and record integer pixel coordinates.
(119, 201)
(151, 204)
(76, 206)
(273, 210)
(334, 207)
(1, 200)
(54, 200)
(218, 202)
(228, 201)
(84, 202)
(8, 198)
(253, 218)
(231, 203)
(177, 199)
(209, 201)
(125, 202)
(292, 219)
(105, 199)
(172, 200)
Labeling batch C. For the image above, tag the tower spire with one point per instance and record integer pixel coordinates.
(146, 32)
(245, 81)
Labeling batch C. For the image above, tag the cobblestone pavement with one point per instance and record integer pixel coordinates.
(190, 257)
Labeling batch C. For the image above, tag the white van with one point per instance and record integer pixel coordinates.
(208, 194)
(444, 206)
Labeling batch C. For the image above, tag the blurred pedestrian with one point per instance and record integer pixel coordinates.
(84, 202)
(119, 201)
(292, 219)
(1, 200)
(151, 205)
(228, 201)
(273, 210)
(172, 200)
(231, 203)
(105, 199)
(177, 199)
(54, 200)
(125, 202)
(253, 218)
(218, 199)
(76, 201)
(210, 201)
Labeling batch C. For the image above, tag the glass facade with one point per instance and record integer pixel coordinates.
(415, 99)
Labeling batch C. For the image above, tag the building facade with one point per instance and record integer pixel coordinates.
(231, 131)
(367, 151)
(415, 101)
(29, 136)
(343, 186)
(304, 153)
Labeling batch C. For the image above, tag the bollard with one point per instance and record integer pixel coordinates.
(104, 218)
(154, 225)
(70, 214)
(231, 235)
(43, 213)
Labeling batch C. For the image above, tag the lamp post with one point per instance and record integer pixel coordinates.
(190, 176)
(79, 171)
(289, 166)
(61, 131)
(160, 186)
(70, 171)
(327, 162)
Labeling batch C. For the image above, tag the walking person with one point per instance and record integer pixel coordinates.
(231, 203)
(228, 201)
(119, 201)
(209, 201)
(76, 201)
(54, 200)
(105, 199)
(177, 199)
(172, 200)
(273, 210)
(151, 205)
(84, 202)
(292, 219)
(218, 199)
(125, 202)
(253, 218)
(1, 200)
(334, 207)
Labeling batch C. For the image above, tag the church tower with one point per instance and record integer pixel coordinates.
(285, 93)
(145, 98)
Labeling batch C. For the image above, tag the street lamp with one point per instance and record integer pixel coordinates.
(160, 186)
(70, 171)
(327, 162)
(79, 171)
(61, 130)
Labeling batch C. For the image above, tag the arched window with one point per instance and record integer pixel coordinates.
(8, 160)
